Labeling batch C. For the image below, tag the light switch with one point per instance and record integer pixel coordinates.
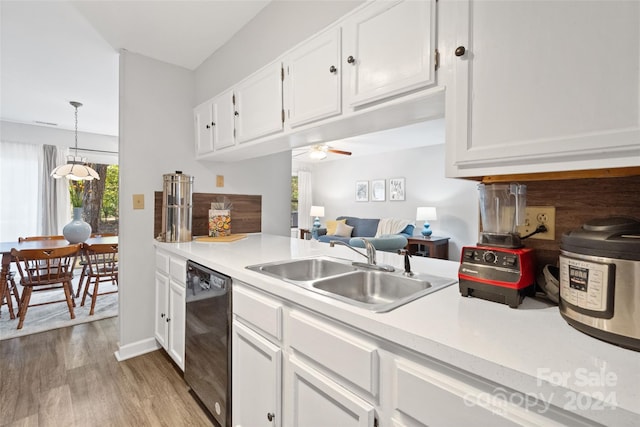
(219, 180)
(138, 201)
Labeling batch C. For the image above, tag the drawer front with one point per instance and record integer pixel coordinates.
(457, 399)
(260, 312)
(339, 351)
(178, 269)
(162, 261)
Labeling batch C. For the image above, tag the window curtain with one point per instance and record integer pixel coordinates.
(304, 199)
(54, 210)
(19, 189)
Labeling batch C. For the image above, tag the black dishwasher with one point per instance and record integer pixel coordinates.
(207, 366)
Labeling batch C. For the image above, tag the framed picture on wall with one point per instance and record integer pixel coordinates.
(362, 191)
(377, 190)
(396, 189)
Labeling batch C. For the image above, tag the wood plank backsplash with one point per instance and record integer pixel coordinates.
(246, 212)
(577, 201)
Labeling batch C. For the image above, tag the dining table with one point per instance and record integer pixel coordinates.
(6, 247)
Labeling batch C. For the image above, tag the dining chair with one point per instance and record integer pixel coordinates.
(102, 267)
(45, 270)
(32, 238)
(84, 263)
(11, 290)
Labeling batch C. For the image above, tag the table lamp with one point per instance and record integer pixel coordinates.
(426, 214)
(317, 212)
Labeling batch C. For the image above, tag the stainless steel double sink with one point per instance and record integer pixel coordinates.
(378, 291)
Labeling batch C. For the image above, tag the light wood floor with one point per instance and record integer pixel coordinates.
(70, 377)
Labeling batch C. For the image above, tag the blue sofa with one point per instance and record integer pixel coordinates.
(367, 227)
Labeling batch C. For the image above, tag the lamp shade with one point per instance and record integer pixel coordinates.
(317, 154)
(426, 214)
(76, 168)
(317, 211)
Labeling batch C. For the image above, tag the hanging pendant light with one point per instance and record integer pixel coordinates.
(76, 168)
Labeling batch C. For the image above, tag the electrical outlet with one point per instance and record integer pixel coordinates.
(539, 215)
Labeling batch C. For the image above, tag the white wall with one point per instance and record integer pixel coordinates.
(456, 200)
(63, 138)
(157, 137)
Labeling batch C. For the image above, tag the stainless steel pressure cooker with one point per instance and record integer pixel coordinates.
(600, 280)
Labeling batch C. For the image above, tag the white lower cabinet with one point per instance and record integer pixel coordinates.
(256, 379)
(316, 401)
(296, 368)
(176, 322)
(333, 373)
(161, 330)
(256, 361)
(426, 396)
(170, 305)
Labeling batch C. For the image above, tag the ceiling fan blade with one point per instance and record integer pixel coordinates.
(346, 153)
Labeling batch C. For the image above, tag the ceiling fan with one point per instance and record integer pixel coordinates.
(319, 151)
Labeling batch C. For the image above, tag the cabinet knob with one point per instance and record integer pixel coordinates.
(460, 50)
(208, 127)
(213, 124)
(162, 315)
(235, 113)
(333, 69)
(351, 60)
(271, 416)
(168, 319)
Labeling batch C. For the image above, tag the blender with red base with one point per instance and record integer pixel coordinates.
(499, 268)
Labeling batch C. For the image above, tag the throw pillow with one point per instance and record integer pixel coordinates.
(343, 230)
(331, 226)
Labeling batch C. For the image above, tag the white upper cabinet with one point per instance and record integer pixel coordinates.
(372, 70)
(258, 104)
(223, 127)
(214, 127)
(313, 80)
(541, 86)
(389, 49)
(203, 119)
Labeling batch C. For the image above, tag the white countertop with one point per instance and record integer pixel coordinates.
(530, 349)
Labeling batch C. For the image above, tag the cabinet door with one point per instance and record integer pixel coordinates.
(456, 399)
(389, 49)
(203, 118)
(162, 309)
(313, 79)
(256, 378)
(317, 401)
(176, 322)
(259, 104)
(543, 86)
(223, 129)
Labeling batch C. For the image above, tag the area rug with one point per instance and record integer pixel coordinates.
(52, 316)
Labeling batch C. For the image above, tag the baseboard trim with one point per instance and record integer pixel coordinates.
(135, 349)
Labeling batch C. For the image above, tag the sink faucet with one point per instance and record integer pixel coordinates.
(407, 263)
(370, 255)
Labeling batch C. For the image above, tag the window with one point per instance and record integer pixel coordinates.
(294, 201)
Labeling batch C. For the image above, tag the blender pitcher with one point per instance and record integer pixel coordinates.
(502, 209)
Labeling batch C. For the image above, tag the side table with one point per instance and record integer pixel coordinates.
(304, 232)
(436, 247)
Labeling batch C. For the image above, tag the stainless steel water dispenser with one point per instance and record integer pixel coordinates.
(176, 207)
